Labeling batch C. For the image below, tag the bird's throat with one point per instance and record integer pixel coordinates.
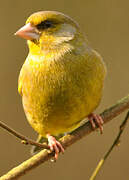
(41, 53)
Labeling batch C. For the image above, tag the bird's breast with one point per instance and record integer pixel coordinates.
(61, 93)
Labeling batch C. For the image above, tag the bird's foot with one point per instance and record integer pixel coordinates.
(55, 145)
(96, 119)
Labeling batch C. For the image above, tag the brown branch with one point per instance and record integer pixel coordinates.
(115, 143)
(66, 141)
(24, 139)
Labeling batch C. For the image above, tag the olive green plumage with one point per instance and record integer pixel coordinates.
(61, 81)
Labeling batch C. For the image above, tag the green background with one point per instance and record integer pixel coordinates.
(106, 24)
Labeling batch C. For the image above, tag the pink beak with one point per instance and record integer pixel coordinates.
(28, 32)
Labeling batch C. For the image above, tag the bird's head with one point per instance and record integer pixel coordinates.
(48, 30)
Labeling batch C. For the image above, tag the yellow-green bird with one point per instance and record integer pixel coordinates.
(61, 80)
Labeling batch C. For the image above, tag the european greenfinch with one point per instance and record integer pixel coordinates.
(61, 80)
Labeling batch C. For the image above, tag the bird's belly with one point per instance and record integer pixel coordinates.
(58, 110)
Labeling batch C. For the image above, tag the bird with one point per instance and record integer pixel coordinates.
(61, 81)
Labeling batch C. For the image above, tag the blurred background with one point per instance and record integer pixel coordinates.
(106, 24)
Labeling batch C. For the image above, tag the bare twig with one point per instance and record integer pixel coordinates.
(24, 139)
(115, 143)
(66, 141)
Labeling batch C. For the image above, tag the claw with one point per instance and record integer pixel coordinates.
(96, 119)
(55, 145)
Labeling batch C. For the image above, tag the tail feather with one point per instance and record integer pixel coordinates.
(34, 150)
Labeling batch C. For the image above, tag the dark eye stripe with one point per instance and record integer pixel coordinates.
(45, 25)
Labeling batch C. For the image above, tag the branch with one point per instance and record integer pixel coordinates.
(24, 139)
(66, 141)
(115, 143)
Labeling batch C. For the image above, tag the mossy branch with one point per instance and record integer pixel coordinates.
(66, 141)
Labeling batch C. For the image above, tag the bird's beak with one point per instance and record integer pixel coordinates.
(28, 32)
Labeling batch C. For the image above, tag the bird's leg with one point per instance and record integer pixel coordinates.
(55, 145)
(96, 119)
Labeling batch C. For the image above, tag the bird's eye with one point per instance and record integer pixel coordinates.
(45, 25)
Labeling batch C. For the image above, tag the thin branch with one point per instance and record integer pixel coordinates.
(24, 139)
(66, 141)
(115, 143)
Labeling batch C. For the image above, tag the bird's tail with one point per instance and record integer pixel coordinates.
(34, 150)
